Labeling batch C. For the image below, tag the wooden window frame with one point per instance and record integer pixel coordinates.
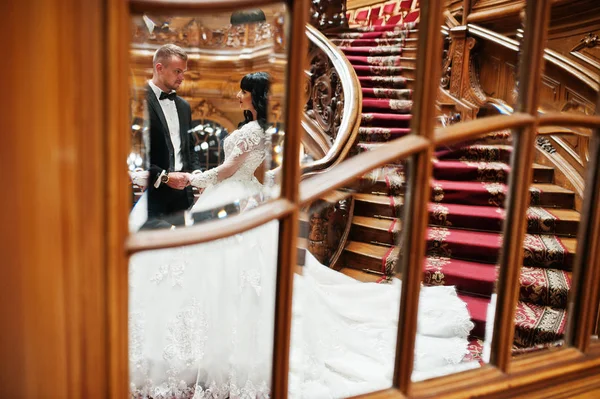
(578, 361)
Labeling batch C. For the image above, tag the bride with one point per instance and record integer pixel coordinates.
(201, 316)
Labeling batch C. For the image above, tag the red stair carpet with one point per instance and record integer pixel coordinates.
(466, 209)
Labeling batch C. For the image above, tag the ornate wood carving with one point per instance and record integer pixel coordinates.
(586, 49)
(194, 32)
(458, 56)
(471, 89)
(325, 94)
(204, 109)
(545, 144)
(327, 14)
(589, 41)
(446, 62)
(328, 223)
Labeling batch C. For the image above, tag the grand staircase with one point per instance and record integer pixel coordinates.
(466, 208)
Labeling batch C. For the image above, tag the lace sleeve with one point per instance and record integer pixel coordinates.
(205, 179)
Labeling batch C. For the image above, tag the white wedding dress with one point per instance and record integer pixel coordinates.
(201, 316)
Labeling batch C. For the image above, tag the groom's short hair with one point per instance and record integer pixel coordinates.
(164, 53)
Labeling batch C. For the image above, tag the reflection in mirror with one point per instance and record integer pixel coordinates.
(201, 318)
(347, 293)
(464, 237)
(347, 290)
(208, 94)
(454, 9)
(373, 59)
(546, 276)
(479, 64)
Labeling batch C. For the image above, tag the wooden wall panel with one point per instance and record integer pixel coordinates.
(52, 207)
(549, 90)
(489, 75)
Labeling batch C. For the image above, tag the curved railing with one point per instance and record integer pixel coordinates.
(334, 104)
(564, 147)
(330, 122)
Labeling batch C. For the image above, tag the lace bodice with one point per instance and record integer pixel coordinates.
(244, 152)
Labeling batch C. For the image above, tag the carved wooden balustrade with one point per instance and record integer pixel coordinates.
(194, 32)
(480, 67)
(331, 121)
(333, 104)
(328, 14)
(328, 228)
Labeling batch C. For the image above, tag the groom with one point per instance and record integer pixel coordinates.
(171, 152)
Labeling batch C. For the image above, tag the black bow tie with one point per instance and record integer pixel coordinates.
(171, 96)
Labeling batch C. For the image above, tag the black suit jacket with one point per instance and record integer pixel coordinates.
(166, 200)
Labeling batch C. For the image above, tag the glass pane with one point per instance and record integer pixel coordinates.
(201, 318)
(380, 57)
(464, 239)
(347, 290)
(479, 65)
(551, 242)
(207, 102)
(563, 90)
(347, 293)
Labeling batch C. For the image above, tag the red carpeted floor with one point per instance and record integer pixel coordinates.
(466, 209)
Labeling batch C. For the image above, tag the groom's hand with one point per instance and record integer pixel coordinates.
(178, 180)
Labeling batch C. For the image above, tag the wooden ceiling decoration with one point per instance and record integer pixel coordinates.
(219, 56)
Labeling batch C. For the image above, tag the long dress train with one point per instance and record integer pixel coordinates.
(201, 316)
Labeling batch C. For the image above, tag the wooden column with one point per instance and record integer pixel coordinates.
(420, 168)
(52, 208)
(517, 201)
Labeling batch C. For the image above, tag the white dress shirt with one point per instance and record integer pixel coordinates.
(170, 110)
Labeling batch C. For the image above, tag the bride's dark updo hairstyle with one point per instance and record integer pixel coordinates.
(247, 17)
(257, 84)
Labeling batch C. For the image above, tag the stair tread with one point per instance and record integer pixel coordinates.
(564, 214)
(373, 198)
(360, 275)
(544, 187)
(467, 268)
(551, 188)
(495, 163)
(370, 250)
(376, 223)
(476, 305)
(569, 243)
(466, 209)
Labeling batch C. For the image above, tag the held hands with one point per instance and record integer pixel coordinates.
(178, 180)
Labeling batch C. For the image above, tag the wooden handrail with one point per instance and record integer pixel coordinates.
(495, 13)
(568, 119)
(449, 19)
(550, 130)
(342, 174)
(577, 70)
(352, 104)
(183, 7)
(468, 130)
(209, 231)
(319, 185)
